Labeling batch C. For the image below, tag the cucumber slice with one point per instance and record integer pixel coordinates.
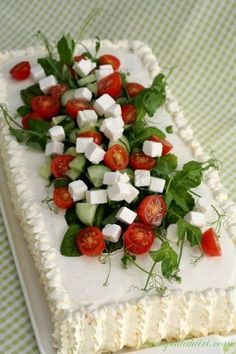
(73, 135)
(123, 141)
(78, 163)
(45, 169)
(57, 120)
(87, 80)
(73, 174)
(68, 95)
(86, 212)
(69, 126)
(96, 174)
(87, 127)
(71, 151)
(93, 87)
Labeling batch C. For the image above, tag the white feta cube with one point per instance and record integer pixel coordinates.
(98, 196)
(118, 191)
(94, 153)
(123, 177)
(203, 205)
(54, 147)
(112, 232)
(195, 218)
(113, 130)
(82, 144)
(46, 83)
(103, 103)
(152, 148)
(132, 194)
(86, 116)
(113, 111)
(142, 178)
(157, 184)
(77, 190)
(57, 133)
(84, 67)
(110, 178)
(37, 73)
(172, 234)
(118, 119)
(103, 71)
(126, 215)
(83, 93)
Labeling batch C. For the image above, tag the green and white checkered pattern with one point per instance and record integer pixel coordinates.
(197, 37)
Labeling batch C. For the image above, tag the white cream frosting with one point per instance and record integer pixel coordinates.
(89, 318)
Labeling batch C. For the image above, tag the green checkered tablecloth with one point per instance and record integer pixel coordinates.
(198, 37)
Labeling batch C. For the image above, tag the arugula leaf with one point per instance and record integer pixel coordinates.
(51, 67)
(166, 165)
(139, 132)
(99, 215)
(97, 45)
(23, 110)
(113, 246)
(183, 199)
(126, 259)
(65, 48)
(39, 126)
(68, 246)
(190, 176)
(29, 92)
(20, 135)
(110, 219)
(71, 216)
(193, 233)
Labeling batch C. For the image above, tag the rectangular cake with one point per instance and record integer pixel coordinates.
(91, 312)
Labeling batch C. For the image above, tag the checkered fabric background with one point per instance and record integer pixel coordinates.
(197, 37)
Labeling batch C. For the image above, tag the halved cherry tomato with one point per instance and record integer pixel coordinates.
(111, 85)
(109, 59)
(133, 88)
(167, 146)
(76, 105)
(58, 90)
(21, 71)
(60, 165)
(151, 210)
(140, 161)
(97, 136)
(138, 238)
(129, 113)
(30, 116)
(46, 106)
(77, 58)
(116, 158)
(62, 198)
(90, 241)
(210, 243)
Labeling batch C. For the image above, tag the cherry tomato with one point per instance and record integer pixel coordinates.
(21, 71)
(62, 198)
(58, 90)
(140, 161)
(151, 210)
(60, 165)
(90, 241)
(133, 88)
(138, 238)
(129, 113)
(109, 59)
(77, 58)
(166, 145)
(97, 136)
(116, 158)
(210, 243)
(76, 105)
(111, 85)
(29, 116)
(46, 106)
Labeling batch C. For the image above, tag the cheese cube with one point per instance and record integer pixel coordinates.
(157, 184)
(98, 196)
(57, 133)
(123, 177)
(37, 73)
(103, 103)
(118, 191)
(142, 178)
(203, 205)
(46, 83)
(152, 148)
(86, 116)
(112, 232)
(113, 131)
(82, 144)
(54, 147)
(103, 71)
(110, 178)
(84, 67)
(118, 119)
(113, 111)
(77, 190)
(195, 218)
(83, 93)
(172, 234)
(133, 193)
(126, 215)
(94, 153)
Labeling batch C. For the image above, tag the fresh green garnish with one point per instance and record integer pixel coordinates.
(68, 246)
(169, 129)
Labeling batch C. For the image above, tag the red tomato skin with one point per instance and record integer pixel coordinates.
(110, 85)
(27, 117)
(109, 59)
(90, 241)
(116, 158)
(77, 58)
(133, 88)
(138, 238)
(20, 71)
(97, 136)
(62, 198)
(46, 106)
(140, 161)
(129, 113)
(58, 90)
(210, 243)
(151, 210)
(76, 105)
(60, 165)
(167, 146)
